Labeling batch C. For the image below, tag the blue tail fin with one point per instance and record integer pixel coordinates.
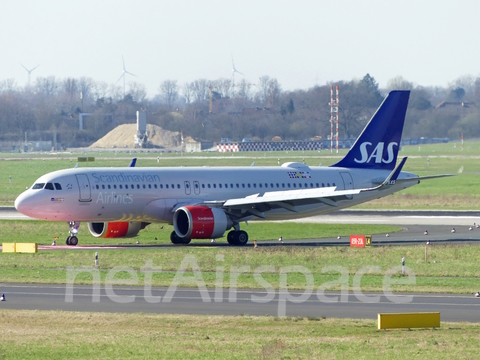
(378, 144)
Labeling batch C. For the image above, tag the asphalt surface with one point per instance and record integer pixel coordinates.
(191, 301)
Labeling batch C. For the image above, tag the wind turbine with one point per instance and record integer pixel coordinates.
(234, 70)
(29, 72)
(123, 75)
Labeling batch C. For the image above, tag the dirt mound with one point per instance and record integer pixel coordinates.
(123, 137)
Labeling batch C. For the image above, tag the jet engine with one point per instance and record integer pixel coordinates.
(115, 229)
(200, 222)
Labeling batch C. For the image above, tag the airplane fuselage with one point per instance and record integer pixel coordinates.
(153, 194)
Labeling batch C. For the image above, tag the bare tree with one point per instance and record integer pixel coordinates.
(137, 91)
(8, 86)
(244, 90)
(200, 90)
(168, 90)
(187, 92)
(399, 83)
(46, 86)
(268, 91)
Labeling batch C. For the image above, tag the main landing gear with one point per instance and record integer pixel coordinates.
(237, 238)
(72, 239)
(178, 240)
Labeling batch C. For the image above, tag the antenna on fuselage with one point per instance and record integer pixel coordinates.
(253, 164)
(76, 165)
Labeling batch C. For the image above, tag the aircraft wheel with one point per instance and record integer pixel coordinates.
(242, 238)
(178, 240)
(67, 240)
(73, 241)
(231, 238)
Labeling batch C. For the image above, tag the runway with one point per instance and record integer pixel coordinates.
(458, 308)
(438, 224)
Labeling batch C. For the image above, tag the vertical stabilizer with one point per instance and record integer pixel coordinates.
(378, 144)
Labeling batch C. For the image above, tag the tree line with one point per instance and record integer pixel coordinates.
(209, 110)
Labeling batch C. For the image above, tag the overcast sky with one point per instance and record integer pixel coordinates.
(300, 43)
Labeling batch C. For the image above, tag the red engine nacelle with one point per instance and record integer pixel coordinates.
(200, 222)
(115, 229)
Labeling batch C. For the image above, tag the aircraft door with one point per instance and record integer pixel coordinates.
(347, 182)
(196, 187)
(84, 188)
(188, 190)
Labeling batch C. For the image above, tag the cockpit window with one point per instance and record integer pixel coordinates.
(49, 186)
(58, 186)
(38, 186)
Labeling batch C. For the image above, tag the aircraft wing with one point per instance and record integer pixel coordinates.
(258, 204)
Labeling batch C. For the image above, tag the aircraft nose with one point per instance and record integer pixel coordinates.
(21, 203)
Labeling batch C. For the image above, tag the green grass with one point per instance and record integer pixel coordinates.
(451, 268)
(74, 335)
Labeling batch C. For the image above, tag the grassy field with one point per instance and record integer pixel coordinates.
(450, 268)
(73, 335)
(460, 192)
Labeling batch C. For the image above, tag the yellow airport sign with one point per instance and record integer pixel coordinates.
(409, 320)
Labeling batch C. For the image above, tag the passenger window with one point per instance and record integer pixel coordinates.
(114, 186)
(149, 186)
(243, 185)
(328, 184)
(288, 184)
(97, 186)
(283, 185)
(144, 186)
(278, 185)
(214, 186)
(294, 185)
(173, 186)
(166, 186)
(108, 186)
(161, 186)
(271, 185)
(49, 186)
(318, 185)
(58, 186)
(203, 186)
(178, 186)
(231, 186)
(208, 186)
(299, 185)
(120, 186)
(259, 185)
(249, 185)
(323, 184)
(333, 184)
(138, 186)
(220, 186)
(132, 186)
(103, 187)
(155, 186)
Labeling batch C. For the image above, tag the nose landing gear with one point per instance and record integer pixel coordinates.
(72, 239)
